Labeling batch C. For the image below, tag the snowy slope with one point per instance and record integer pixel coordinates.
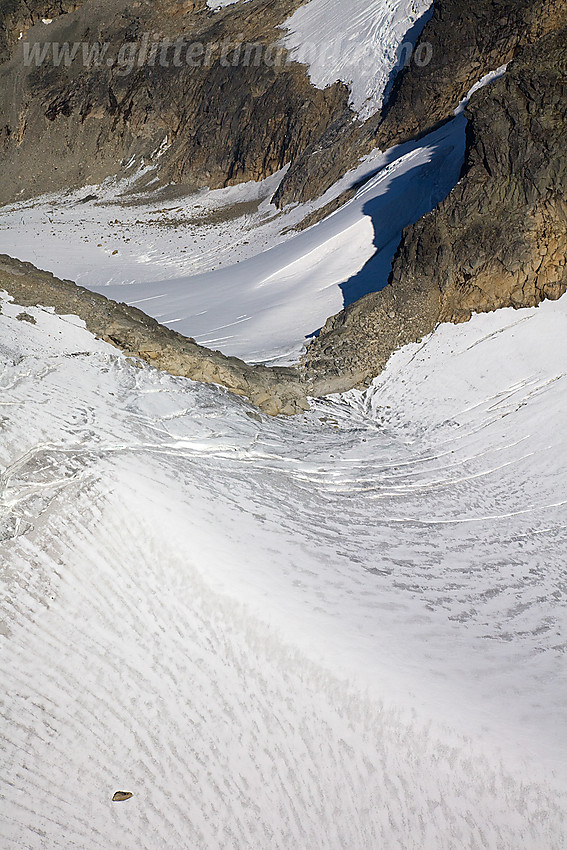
(345, 630)
(356, 42)
(231, 280)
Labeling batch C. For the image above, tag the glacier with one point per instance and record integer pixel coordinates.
(341, 630)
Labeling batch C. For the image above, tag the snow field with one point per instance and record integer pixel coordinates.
(345, 629)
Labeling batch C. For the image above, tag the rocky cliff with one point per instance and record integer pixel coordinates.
(467, 40)
(17, 16)
(214, 115)
(498, 240)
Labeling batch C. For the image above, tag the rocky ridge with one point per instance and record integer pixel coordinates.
(274, 391)
(498, 240)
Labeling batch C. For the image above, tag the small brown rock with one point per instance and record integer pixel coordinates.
(120, 796)
(25, 317)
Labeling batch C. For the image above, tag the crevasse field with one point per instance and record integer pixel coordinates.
(340, 631)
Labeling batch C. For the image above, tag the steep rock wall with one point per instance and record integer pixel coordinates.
(214, 122)
(468, 40)
(498, 240)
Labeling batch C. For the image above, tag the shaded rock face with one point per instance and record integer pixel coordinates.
(468, 40)
(213, 122)
(17, 16)
(498, 240)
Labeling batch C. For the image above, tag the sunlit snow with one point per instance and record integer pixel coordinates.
(360, 43)
(345, 630)
(231, 280)
(340, 631)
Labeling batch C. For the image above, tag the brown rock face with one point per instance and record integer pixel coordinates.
(272, 390)
(468, 40)
(222, 117)
(498, 240)
(17, 16)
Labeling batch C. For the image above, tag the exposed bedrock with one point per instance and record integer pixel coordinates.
(213, 122)
(498, 240)
(17, 16)
(468, 40)
(137, 335)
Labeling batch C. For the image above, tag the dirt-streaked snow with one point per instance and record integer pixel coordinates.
(345, 630)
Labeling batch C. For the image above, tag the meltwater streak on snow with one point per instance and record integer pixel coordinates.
(356, 42)
(344, 630)
(262, 308)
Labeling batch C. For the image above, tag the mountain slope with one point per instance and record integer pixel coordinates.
(464, 41)
(499, 239)
(206, 116)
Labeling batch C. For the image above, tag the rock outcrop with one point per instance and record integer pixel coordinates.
(272, 390)
(467, 40)
(498, 240)
(210, 114)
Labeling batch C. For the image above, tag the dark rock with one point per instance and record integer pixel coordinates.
(468, 40)
(498, 240)
(17, 16)
(213, 125)
(25, 317)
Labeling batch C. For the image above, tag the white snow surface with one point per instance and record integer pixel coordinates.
(355, 42)
(219, 266)
(342, 630)
(220, 4)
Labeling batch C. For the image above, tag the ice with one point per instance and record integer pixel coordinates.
(358, 43)
(339, 630)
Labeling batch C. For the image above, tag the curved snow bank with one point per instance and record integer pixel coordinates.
(345, 630)
(239, 285)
